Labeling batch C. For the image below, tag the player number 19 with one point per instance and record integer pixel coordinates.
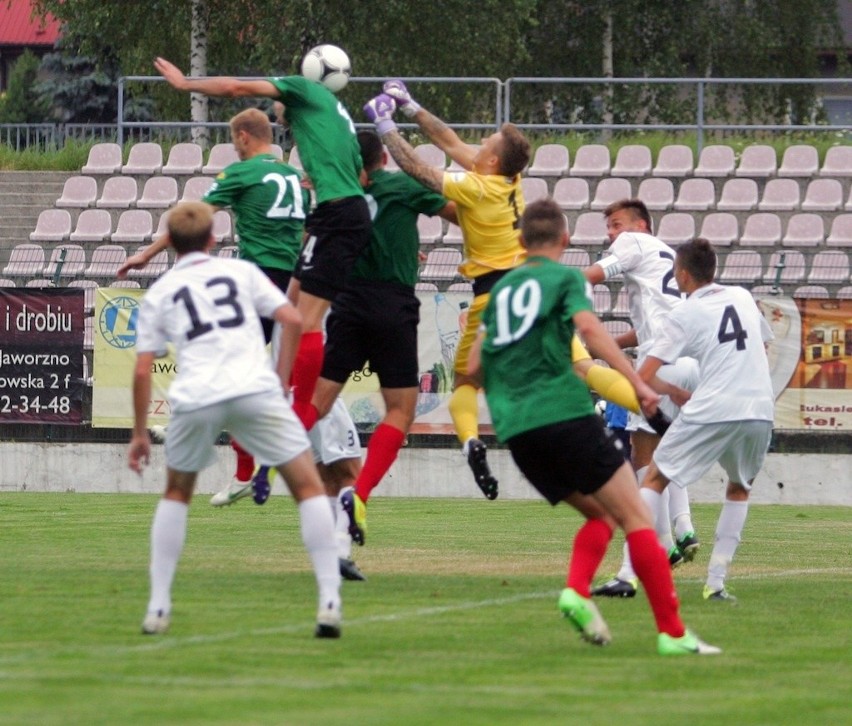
(519, 305)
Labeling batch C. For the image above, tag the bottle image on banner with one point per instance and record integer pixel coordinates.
(447, 324)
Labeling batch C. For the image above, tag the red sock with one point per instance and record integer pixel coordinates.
(307, 413)
(384, 445)
(653, 570)
(589, 548)
(245, 462)
(306, 370)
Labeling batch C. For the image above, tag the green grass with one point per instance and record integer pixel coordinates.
(71, 157)
(457, 623)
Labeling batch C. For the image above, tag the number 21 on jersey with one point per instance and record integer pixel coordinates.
(516, 311)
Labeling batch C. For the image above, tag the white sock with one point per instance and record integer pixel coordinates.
(168, 533)
(653, 500)
(729, 530)
(662, 524)
(681, 514)
(627, 572)
(317, 526)
(341, 529)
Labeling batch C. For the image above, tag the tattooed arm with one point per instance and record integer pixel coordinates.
(407, 159)
(445, 138)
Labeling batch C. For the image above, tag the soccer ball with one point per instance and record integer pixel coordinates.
(329, 65)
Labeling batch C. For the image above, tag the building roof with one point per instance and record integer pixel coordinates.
(17, 27)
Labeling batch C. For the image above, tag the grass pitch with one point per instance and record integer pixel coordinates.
(457, 623)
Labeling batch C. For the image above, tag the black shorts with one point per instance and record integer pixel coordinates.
(338, 232)
(580, 455)
(281, 278)
(375, 322)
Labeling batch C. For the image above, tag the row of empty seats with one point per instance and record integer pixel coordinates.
(122, 192)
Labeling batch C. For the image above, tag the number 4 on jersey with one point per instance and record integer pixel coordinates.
(731, 328)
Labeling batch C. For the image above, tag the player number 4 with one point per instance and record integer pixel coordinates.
(731, 328)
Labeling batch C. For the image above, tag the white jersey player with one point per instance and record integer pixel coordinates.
(728, 417)
(209, 309)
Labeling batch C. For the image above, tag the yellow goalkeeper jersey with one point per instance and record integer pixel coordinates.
(489, 209)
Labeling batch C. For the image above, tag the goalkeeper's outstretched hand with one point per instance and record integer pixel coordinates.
(398, 92)
(379, 111)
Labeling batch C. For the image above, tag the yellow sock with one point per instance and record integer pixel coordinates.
(613, 387)
(464, 410)
(578, 350)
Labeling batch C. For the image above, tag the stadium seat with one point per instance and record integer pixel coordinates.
(589, 230)
(88, 332)
(52, 225)
(453, 235)
(229, 251)
(66, 260)
(674, 160)
(757, 161)
(106, 259)
(742, 266)
(89, 287)
(601, 299)
(223, 227)
(184, 158)
(804, 230)
(571, 193)
(134, 226)
(25, 260)
(844, 293)
(195, 188)
(715, 160)
(790, 262)
(838, 162)
(534, 189)
(721, 229)
(676, 228)
(780, 195)
(156, 266)
(609, 190)
(811, 291)
(426, 287)
(119, 192)
(39, 283)
(159, 192)
(145, 157)
(575, 258)
(104, 158)
(591, 160)
(550, 160)
(391, 164)
(616, 327)
(841, 231)
(221, 155)
(293, 158)
(464, 287)
(431, 155)
(762, 229)
(78, 192)
(441, 264)
(823, 195)
(430, 229)
(93, 225)
(657, 193)
(764, 290)
(695, 195)
(738, 195)
(277, 151)
(800, 160)
(632, 160)
(829, 267)
(131, 284)
(7, 282)
(161, 225)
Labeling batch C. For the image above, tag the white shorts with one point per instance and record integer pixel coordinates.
(263, 423)
(335, 437)
(687, 451)
(684, 372)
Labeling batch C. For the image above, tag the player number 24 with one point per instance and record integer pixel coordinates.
(519, 305)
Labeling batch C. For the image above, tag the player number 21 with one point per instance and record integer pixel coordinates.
(520, 305)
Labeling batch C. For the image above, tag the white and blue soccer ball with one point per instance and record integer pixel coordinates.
(329, 65)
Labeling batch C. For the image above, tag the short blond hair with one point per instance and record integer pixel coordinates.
(254, 122)
(190, 226)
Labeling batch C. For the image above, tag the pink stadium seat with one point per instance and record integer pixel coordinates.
(838, 162)
(609, 190)
(550, 160)
(430, 229)
(571, 193)
(601, 299)
(616, 327)
(780, 195)
(829, 267)
(632, 160)
(738, 195)
(277, 151)
(823, 195)
(391, 164)
(53, 225)
(156, 266)
(229, 251)
(453, 235)
(804, 230)
(78, 192)
(811, 291)
(431, 155)
(620, 308)
(221, 155)
(119, 192)
(758, 160)
(104, 158)
(676, 228)
(146, 157)
(591, 160)
(426, 287)
(66, 260)
(589, 230)
(657, 193)
(223, 227)
(464, 287)
(441, 264)
(575, 258)
(195, 188)
(841, 231)
(40, 283)
(184, 158)
(293, 158)
(533, 189)
(159, 192)
(93, 225)
(742, 266)
(25, 260)
(800, 160)
(106, 259)
(715, 160)
(7, 282)
(720, 229)
(695, 195)
(762, 229)
(790, 262)
(134, 226)
(674, 160)
(845, 293)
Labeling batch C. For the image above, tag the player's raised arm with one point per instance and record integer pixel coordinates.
(215, 85)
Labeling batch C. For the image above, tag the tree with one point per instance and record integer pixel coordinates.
(21, 104)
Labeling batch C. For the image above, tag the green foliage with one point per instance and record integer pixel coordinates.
(71, 157)
(21, 104)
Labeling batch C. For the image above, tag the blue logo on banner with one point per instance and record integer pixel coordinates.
(117, 322)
